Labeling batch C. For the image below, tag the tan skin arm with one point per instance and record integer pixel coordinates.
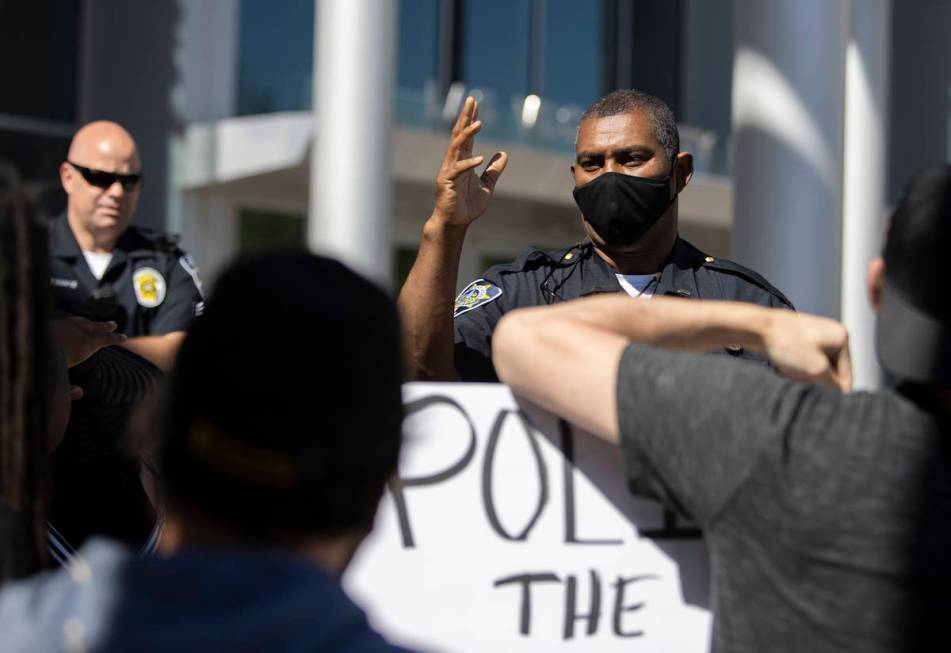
(160, 350)
(532, 347)
(425, 300)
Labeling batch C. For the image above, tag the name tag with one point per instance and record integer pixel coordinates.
(72, 284)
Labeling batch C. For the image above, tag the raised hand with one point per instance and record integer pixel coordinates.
(461, 194)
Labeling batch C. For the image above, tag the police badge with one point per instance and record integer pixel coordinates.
(149, 286)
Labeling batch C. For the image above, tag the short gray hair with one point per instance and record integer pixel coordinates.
(630, 101)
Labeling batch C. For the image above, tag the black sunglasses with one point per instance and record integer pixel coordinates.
(103, 179)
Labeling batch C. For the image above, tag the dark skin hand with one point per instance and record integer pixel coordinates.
(461, 194)
(626, 144)
(425, 301)
(78, 338)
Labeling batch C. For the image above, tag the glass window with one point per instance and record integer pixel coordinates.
(418, 42)
(35, 161)
(275, 56)
(494, 53)
(706, 82)
(571, 56)
(38, 45)
(417, 100)
(268, 231)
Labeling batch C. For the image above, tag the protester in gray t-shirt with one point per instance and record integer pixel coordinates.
(825, 513)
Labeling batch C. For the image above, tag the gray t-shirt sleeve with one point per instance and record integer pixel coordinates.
(693, 426)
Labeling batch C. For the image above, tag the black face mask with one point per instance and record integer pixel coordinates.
(621, 208)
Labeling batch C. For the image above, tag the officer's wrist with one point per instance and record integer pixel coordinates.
(439, 226)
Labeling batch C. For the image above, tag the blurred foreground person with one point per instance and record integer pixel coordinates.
(29, 412)
(825, 514)
(273, 459)
(35, 394)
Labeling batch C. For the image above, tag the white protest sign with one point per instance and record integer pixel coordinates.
(509, 530)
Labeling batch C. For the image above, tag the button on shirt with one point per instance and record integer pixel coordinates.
(539, 277)
(150, 287)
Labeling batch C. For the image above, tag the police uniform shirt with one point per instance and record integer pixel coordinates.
(540, 277)
(149, 288)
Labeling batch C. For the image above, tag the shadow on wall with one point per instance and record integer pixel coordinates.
(130, 74)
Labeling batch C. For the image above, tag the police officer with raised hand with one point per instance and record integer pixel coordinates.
(627, 173)
(105, 269)
(425, 301)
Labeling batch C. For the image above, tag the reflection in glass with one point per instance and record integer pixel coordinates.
(418, 41)
(275, 56)
(38, 46)
(707, 78)
(417, 88)
(35, 161)
(494, 53)
(572, 60)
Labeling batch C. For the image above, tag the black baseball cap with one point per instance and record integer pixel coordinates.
(913, 334)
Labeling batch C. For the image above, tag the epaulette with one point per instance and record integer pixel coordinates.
(168, 243)
(730, 267)
(150, 240)
(535, 256)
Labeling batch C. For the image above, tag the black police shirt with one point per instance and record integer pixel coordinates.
(149, 288)
(540, 277)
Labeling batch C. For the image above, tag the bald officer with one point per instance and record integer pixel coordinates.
(104, 268)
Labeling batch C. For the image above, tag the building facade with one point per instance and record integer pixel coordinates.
(218, 94)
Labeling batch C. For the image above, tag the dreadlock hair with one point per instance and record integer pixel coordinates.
(24, 383)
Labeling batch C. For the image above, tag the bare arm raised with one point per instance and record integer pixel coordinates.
(425, 301)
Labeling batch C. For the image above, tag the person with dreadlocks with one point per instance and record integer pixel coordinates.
(26, 412)
(34, 390)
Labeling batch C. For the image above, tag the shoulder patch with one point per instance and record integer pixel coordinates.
(188, 264)
(476, 294)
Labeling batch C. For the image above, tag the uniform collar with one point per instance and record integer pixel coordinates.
(63, 243)
(677, 278)
(677, 275)
(597, 275)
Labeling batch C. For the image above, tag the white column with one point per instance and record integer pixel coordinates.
(350, 185)
(863, 205)
(788, 106)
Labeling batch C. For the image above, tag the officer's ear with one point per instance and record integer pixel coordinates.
(66, 176)
(683, 170)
